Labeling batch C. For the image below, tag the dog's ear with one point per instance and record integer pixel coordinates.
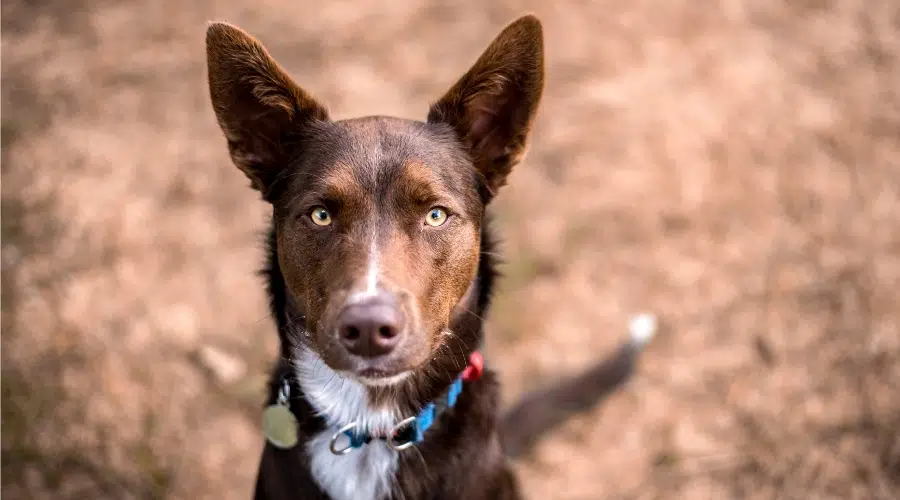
(493, 105)
(256, 103)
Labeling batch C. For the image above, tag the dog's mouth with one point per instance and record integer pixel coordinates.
(380, 371)
(374, 377)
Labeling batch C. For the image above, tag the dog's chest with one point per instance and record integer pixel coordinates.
(367, 472)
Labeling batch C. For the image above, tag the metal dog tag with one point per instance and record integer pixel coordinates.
(279, 425)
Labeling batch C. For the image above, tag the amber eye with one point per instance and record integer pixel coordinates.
(320, 216)
(437, 216)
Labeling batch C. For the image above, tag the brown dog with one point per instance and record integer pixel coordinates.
(380, 273)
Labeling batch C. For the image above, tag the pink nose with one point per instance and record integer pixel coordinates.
(371, 328)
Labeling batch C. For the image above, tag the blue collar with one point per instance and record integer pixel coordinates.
(411, 430)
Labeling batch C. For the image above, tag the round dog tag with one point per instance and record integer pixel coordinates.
(280, 426)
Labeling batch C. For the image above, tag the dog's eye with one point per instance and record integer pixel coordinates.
(320, 216)
(437, 216)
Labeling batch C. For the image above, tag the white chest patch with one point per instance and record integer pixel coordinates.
(363, 473)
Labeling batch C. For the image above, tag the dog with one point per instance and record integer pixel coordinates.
(381, 264)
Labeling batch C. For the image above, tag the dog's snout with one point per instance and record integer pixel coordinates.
(372, 327)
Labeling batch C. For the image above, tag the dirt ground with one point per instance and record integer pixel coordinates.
(732, 166)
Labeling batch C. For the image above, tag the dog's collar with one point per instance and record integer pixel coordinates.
(280, 424)
(411, 430)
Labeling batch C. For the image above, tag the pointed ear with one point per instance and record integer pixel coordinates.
(256, 103)
(492, 106)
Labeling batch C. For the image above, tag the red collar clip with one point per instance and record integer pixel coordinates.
(475, 367)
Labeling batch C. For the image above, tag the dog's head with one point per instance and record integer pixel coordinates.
(377, 220)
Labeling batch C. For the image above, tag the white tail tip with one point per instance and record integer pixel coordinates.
(642, 328)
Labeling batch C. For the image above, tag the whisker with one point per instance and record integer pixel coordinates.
(452, 355)
(462, 345)
(473, 313)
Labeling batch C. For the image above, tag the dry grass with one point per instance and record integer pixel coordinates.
(734, 167)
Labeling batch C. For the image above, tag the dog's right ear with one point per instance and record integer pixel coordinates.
(256, 103)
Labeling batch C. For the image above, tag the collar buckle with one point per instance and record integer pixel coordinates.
(347, 435)
(403, 435)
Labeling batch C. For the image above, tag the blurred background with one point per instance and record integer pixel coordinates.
(732, 166)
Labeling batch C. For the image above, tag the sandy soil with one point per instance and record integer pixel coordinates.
(731, 166)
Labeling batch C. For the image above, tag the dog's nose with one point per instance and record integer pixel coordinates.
(370, 328)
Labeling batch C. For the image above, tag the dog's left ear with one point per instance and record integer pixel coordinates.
(492, 106)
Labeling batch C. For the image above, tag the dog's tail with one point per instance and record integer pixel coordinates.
(542, 410)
